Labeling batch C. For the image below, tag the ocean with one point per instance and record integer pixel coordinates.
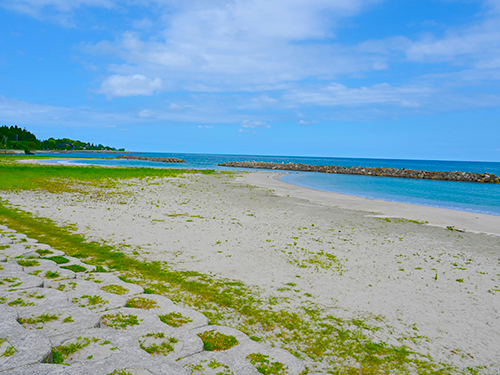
(462, 196)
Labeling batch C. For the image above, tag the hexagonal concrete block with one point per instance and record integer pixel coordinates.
(244, 357)
(72, 285)
(19, 281)
(58, 321)
(130, 319)
(96, 300)
(150, 302)
(15, 250)
(20, 347)
(107, 350)
(10, 266)
(183, 319)
(33, 299)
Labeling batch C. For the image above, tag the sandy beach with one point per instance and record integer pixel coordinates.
(435, 290)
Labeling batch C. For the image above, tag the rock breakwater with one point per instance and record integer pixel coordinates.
(370, 171)
(150, 158)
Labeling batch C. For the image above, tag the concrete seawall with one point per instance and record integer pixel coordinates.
(371, 171)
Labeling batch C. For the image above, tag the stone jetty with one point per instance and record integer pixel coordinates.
(370, 171)
(59, 316)
(150, 158)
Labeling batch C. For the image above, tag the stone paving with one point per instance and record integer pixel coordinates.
(57, 316)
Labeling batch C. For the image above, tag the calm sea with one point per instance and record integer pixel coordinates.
(462, 196)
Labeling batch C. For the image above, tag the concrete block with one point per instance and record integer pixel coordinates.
(10, 266)
(72, 285)
(56, 322)
(7, 313)
(107, 350)
(15, 250)
(19, 281)
(130, 319)
(25, 301)
(26, 347)
(96, 300)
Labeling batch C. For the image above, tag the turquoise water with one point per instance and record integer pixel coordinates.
(472, 197)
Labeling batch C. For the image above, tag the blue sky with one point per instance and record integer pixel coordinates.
(415, 79)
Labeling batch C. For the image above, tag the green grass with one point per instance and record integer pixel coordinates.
(28, 263)
(119, 321)
(44, 252)
(265, 366)
(174, 319)
(20, 302)
(57, 178)
(115, 289)
(58, 259)
(44, 318)
(60, 353)
(216, 341)
(142, 303)
(52, 275)
(75, 268)
(164, 347)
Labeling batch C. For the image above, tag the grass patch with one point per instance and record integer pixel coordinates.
(42, 319)
(20, 302)
(174, 319)
(119, 321)
(60, 353)
(142, 303)
(43, 252)
(59, 179)
(75, 268)
(52, 275)
(115, 289)
(265, 366)
(164, 347)
(9, 352)
(216, 341)
(28, 263)
(58, 259)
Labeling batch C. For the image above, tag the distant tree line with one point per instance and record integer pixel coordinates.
(15, 138)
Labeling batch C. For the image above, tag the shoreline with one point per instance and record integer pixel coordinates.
(440, 217)
(435, 216)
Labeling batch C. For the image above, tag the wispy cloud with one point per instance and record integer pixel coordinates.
(134, 85)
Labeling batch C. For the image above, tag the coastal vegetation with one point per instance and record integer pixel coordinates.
(16, 138)
(343, 345)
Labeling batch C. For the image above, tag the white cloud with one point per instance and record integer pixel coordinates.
(147, 113)
(59, 11)
(174, 106)
(337, 94)
(134, 85)
(254, 124)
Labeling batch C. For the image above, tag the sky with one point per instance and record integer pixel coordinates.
(412, 79)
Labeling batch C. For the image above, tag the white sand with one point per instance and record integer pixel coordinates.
(221, 225)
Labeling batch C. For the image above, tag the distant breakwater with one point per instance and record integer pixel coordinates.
(371, 171)
(150, 158)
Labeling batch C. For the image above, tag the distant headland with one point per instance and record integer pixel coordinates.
(371, 171)
(16, 138)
